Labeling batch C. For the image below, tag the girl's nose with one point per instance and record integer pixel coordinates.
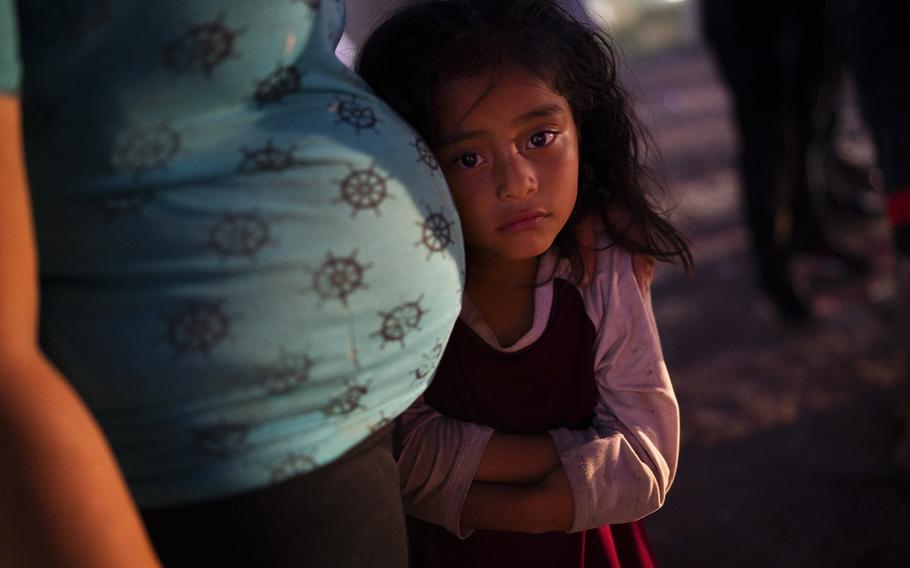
(515, 177)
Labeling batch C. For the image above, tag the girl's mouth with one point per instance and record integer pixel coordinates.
(523, 221)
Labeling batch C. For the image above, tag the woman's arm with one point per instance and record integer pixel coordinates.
(63, 501)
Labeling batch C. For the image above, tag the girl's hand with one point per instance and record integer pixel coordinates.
(517, 459)
(556, 503)
(586, 232)
(546, 507)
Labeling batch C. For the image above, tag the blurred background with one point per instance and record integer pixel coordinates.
(647, 27)
(788, 428)
(789, 423)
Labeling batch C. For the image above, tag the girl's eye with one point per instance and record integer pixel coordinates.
(468, 160)
(541, 139)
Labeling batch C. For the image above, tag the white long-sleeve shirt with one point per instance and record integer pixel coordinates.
(620, 467)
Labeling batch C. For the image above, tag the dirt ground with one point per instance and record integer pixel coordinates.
(787, 431)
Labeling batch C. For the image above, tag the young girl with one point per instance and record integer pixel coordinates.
(551, 415)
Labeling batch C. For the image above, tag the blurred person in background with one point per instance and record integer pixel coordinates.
(776, 59)
(783, 82)
(874, 38)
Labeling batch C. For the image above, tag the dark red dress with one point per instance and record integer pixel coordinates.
(547, 385)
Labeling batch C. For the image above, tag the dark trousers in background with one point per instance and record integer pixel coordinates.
(772, 56)
(874, 39)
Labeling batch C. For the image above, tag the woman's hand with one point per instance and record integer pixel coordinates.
(554, 498)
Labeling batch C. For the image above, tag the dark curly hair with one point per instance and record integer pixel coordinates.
(425, 44)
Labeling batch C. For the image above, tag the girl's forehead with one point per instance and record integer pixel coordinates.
(494, 77)
(497, 96)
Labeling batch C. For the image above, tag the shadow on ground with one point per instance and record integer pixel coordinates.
(787, 431)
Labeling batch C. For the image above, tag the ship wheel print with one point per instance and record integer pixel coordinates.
(431, 359)
(222, 439)
(348, 401)
(292, 465)
(425, 155)
(354, 114)
(205, 46)
(146, 149)
(420, 373)
(283, 81)
(435, 233)
(363, 189)
(267, 158)
(380, 424)
(397, 323)
(123, 203)
(199, 327)
(287, 374)
(339, 277)
(239, 234)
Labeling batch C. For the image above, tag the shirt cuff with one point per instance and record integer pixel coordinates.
(463, 473)
(574, 464)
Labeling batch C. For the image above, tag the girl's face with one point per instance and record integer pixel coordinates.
(510, 156)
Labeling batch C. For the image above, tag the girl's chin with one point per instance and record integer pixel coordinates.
(525, 251)
(530, 248)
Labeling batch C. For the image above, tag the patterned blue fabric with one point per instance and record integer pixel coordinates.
(248, 262)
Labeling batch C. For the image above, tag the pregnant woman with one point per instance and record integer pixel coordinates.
(247, 267)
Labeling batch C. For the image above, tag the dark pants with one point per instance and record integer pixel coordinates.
(874, 38)
(345, 514)
(771, 56)
(874, 34)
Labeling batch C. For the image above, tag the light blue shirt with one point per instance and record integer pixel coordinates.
(248, 262)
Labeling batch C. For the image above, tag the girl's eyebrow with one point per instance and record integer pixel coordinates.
(544, 110)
